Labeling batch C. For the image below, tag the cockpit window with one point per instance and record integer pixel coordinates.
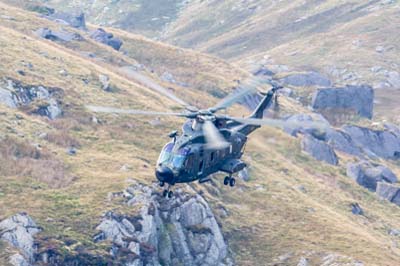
(166, 153)
(179, 158)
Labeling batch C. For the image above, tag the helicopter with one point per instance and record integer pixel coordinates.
(209, 142)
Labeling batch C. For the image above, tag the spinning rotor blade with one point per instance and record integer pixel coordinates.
(111, 110)
(213, 137)
(280, 123)
(150, 83)
(234, 97)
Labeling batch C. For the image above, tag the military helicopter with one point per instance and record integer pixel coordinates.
(209, 142)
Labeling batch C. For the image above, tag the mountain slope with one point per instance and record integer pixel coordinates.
(292, 207)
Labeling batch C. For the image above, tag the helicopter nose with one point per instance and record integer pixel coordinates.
(164, 174)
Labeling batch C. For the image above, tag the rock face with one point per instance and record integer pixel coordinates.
(380, 143)
(389, 191)
(19, 231)
(368, 175)
(179, 231)
(61, 35)
(359, 99)
(307, 79)
(300, 123)
(37, 99)
(319, 150)
(342, 141)
(74, 19)
(100, 35)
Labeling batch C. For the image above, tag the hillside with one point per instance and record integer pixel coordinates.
(65, 171)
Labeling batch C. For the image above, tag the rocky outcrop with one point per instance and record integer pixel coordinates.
(307, 80)
(319, 150)
(342, 141)
(19, 231)
(389, 192)
(44, 101)
(302, 123)
(358, 99)
(369, 175)
(100, 35)
(376, 143)
(73, 19)
(179, 231)
(62, 35)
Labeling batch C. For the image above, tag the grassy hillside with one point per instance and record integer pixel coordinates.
(292, 207)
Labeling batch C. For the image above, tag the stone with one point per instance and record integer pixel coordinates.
(342, 141)
(368, 175)
(358, 99)
(303, 262)
(356, 209)
(177, 231)
(62, 35)
(24, 95)
(375, 143)
(244, 175)
(105, 82)
(100, 35)
(18, 260)
(303, 123)
(393, 78)
(74, 19)
(19, 231)
(390, 192)
(319, 150)
(307, 79)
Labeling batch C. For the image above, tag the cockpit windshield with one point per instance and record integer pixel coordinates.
(166, 153)
(176, 159)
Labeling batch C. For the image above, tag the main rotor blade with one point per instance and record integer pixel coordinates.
(148, 82)
(214, 138)
(112, 110)
(245, 89)
(280, 123)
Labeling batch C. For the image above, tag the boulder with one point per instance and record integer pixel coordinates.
(307, 79)
(389, 192)
(177, 231)
(302, 123)
(342, 141)
(62, 35)
(319, 150)
(100, 35)
(105, 82)
(380, 143)
(356, 209)
(368, 175)
(18, 260)
(358, 99)
(19, 231)
(14, 95)
(74, 19)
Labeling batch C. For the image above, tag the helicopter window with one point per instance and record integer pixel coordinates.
(165, 155)
(212, 156)
(179, 158)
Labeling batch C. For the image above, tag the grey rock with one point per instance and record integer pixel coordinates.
(62, 35)
(303, 262)
(263, 71)
(389, 192)
(356, 209)
(359, 99)
(380, 143)
(74, 19)
(18, 260)
(307, 79)
(19, 231)
(393, 78)
(319, 150)
(244, 175)
(22, 95)
(302, 123)
(342, 141)
(368, 175)
(105, 82)
(100, 35)
(179, 231)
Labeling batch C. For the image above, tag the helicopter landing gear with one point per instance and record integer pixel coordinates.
(229, 180)
(161, 183)
(167, 193)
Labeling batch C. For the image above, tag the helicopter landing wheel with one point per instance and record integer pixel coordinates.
(232, 182)
(165, 193)
(226, 180)
(161, 183)
(170, 194)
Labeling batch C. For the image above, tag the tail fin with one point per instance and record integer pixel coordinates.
(265, 103)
